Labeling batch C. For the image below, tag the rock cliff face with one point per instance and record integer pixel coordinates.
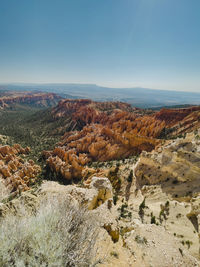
(109, 130)
(85, 111)
(172, 116)
(17, 173)
(169, 181)
(69, 106)
(29, 98)
(189, 123)
(176, 166)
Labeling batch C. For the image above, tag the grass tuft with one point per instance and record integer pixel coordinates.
(59, 234)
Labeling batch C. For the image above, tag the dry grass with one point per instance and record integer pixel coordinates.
(3, 191)
(59, 234)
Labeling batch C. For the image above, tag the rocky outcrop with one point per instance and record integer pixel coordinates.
(176, 166)
(108, 131)
(98, 192)
(94, 143)
(169, 179)
(179, 121)
(29, 98)
(171, 116)
(17, 173)
(71, 106)
(120, 242)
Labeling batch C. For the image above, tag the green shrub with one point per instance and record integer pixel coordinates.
(130, 177)
(164, 211)
(141, 209)
(124, 213)
(140, 240)
(153, 219)
(115, 198)
(114, 254)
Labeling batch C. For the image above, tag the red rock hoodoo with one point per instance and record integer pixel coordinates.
(108, 131)
(17, 173)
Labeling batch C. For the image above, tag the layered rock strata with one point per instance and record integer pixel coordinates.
(29, 98)
(110, 130)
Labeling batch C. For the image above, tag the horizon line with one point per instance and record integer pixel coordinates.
(94, 84)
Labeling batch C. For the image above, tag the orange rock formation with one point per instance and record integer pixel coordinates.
(39, 99)
(17, 173)
(107, 131)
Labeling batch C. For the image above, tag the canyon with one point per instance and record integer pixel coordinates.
(129, 175)
(141, 222)
(104, 131)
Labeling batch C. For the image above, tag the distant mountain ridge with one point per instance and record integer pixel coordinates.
(28, 98)
(139, 97)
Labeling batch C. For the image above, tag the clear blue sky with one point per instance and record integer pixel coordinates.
(122, 43)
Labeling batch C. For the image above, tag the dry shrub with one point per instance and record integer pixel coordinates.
(59, 234)
(3, 191)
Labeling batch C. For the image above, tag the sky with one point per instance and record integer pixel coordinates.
(115, 43)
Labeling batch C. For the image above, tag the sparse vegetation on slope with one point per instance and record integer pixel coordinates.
(30, 127)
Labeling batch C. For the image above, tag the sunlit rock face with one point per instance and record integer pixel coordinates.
(17, 173)
(176, 166)
(103, 131)
(85, 111)
(172, 116)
